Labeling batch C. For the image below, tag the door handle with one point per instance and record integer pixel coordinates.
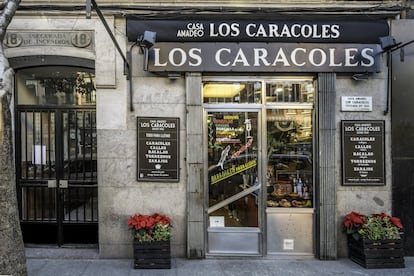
(63, 184)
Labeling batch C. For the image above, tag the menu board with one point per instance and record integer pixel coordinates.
(158, 149)
(363, 153)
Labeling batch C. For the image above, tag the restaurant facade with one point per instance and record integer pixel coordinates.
(256, 134)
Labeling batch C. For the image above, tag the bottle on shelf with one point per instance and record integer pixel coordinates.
(294, 188)
(299, 187)
(305, 189)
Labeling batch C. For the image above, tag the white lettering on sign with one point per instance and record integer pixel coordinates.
(224, 30)
(363, 152)
(193, 30)
(266, 57)
(255, 30)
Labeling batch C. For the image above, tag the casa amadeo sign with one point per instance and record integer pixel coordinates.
(262, 46)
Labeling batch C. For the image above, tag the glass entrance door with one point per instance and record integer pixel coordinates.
(233, 183)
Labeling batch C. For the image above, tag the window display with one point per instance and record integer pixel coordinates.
(290, 91)
(289, 147)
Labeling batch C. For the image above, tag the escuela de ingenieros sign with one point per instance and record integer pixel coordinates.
(262, 46)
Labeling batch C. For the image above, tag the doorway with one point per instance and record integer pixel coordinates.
(259, 151)
(234, 189)
(56, 153)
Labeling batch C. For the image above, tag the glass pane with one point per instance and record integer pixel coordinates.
(79, 132)
(80, 204)
(289, 149)
(232, 92)
(57, 85)
(290, 91)
(38, 144)
(38, 203)
(232, 158)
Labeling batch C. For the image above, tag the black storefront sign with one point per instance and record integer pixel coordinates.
(158, 149)
(264, 57)
(366, 32)
(363, 146)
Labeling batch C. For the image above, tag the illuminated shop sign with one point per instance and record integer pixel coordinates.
(264, 57)
(262, 46)
(259, 31)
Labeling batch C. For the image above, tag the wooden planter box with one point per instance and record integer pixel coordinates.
(148, 255)
(377, 254)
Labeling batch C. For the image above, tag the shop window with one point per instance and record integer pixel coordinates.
(301, 91)
(56, 85)
(289, 175)
(232, 92)
(289, 117)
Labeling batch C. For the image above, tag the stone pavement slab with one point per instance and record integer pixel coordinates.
(48, 262)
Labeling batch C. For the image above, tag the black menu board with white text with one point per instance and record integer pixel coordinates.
(363, 153)
(158, 149)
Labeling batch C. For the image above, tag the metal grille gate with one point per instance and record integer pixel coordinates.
(57, 174)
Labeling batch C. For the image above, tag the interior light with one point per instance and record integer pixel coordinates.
(222, 90)
(291, 112)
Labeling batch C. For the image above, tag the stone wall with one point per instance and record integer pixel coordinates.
(369, 199)
(120, 195)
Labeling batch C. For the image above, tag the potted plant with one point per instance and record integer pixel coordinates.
(375, 240)
(151, 234)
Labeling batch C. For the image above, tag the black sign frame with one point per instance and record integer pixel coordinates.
(314, 31)
(158, 149)
(363, 152)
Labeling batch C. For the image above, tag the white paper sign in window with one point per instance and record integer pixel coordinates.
(39, 154)
(216, 221)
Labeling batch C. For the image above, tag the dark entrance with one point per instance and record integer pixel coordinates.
(56, 154)
(402, 98)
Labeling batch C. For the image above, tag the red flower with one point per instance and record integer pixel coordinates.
(396, 221)
(144, 226)
(358, 225)
(353, 220)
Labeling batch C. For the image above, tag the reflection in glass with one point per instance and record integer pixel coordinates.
(38, 204)
(80, 145)
(57, 85)
(289, 153)
(232, 157)
(80, 204)
(290, 91)
(38, 153)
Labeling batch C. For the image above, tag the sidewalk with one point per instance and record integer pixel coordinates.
(60, 262)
